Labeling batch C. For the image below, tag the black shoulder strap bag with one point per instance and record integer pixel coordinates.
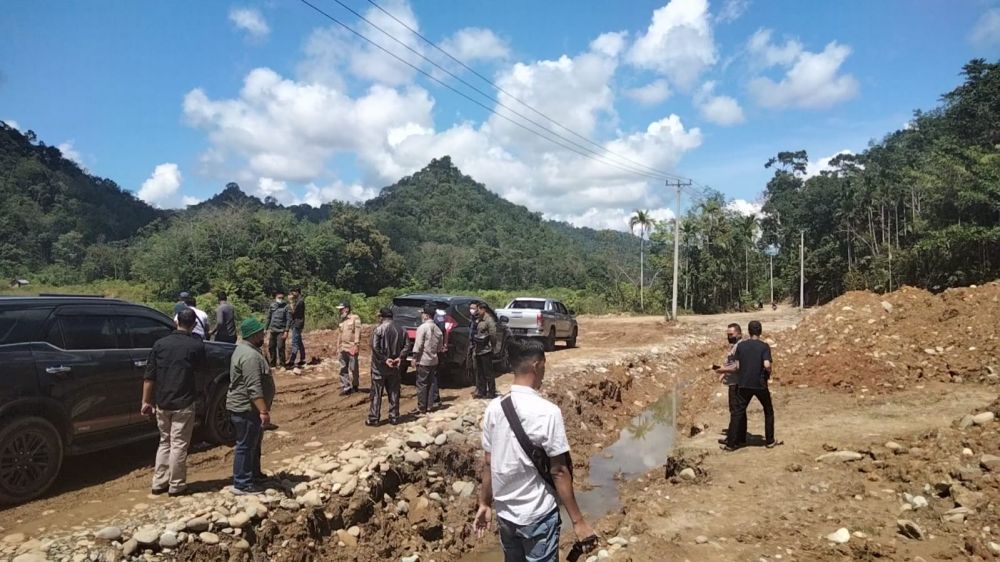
(537, 454)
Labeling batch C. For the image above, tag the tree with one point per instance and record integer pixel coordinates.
(644, 221)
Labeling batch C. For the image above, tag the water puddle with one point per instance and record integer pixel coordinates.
(641, 446)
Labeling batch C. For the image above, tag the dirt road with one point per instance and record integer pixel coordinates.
(308, 409)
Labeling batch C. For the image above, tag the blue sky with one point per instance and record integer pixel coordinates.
(172, 100)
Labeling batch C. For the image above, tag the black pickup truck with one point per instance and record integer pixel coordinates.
(72, 384)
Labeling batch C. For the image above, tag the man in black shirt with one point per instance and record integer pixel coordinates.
(753, 365)
(169, 391)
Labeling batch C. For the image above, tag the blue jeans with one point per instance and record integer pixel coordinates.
(298, 348)
(538, 542)
(246, 457)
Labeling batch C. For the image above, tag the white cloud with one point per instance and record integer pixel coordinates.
(71, 153)
(814, 168)
(653, 93)
(611, 219)
(162, 188)
(187, 200)
(986, 32)
(475, 43)
(744, 207)
(338, 191)
(811, 81)
(251, 21)
(721, 110)
(610, 44)
(12, 123)
(678, 43)
(732, 10)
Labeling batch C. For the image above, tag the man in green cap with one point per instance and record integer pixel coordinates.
(251, 391)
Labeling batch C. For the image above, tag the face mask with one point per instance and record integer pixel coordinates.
(279, 299)
(472, 311)
(733, 339)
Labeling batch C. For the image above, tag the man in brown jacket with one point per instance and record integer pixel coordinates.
(350, 342)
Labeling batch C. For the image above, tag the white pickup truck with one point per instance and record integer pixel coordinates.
(548, 319)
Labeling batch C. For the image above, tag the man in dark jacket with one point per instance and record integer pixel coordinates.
(484, 343)
(225, 320)
(298, 312)
(277, 323)
(169, 390)
(388, 346)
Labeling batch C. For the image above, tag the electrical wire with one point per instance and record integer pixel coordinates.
(505, 92)
(591, 154)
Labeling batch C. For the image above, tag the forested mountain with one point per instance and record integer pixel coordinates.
(55, 213)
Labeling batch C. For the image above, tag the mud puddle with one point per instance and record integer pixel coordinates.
(641, 446)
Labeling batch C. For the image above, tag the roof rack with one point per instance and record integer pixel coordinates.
(71, 295)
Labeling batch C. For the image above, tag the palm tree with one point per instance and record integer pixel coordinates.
(643, 220)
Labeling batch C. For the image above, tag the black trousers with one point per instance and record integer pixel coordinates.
(486, 384)
(737, 434)
(427, 387)
(276, 348)
(734, 406)
(390, 383)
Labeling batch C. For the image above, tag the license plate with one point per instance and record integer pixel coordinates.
(518, 331)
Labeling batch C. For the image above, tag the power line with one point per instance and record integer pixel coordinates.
(593, 155)
(503, 91)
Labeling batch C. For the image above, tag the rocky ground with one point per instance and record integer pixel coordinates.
(884, 405)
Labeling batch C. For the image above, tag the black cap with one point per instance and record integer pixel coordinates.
(429, 308)
(385, 312)
(344, 304)
(184, 294)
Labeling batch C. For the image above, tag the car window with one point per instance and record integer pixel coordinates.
(143, 331)
(22, 326)
(88, 332)
(560, 308)
(528, 305)
(460, 312)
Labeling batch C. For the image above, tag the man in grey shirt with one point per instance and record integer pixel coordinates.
(225, 320)
(426, 346)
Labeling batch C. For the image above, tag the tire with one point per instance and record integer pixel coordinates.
(503, 362)
(31, 454)
(217, 424)
(550, 342)
(571, 342)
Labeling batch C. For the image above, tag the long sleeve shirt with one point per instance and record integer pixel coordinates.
(388, 342)
(249, 379)
(279, 317)
(350, 332)
(427, 344)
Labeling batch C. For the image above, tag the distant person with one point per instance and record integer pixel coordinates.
(426, 347)
(350, 345)
(251, 393)
(298, 312)
(753, 364)
(181, 303)
(388, 346)
(225, 320)
(734, 334)
(201, 317)
(277, 323)
(168, 390)
(527, 488)
(484, 343)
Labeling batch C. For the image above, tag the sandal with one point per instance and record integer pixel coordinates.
(774, 444)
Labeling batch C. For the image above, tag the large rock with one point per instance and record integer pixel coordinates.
(239, 520)
(965, 497)
(840, 536)
(168, 540)
(130, 547)
(413, 458)
(910, 529)
(348, 488)
(208, 538)
(147, 535)
(983, 418)
(15, 538)
(990, 463)
(840, 456)
(346, 538)
(688, 474)
(197, 524)
(419, 440)
(109, 533)
(311, 499)
(30, 557)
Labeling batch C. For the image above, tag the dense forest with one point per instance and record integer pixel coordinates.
(920, 207)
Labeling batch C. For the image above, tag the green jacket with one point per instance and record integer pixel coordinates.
(484, 339)
(249, 378)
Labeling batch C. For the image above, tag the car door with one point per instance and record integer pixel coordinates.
(138, 332)
(565, 324)
(85, 368)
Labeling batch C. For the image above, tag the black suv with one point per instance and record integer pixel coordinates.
(72, 384)
(453, 319)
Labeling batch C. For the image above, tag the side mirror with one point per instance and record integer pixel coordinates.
(572, 312)
(504, 319)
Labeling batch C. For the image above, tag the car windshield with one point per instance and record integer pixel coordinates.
(528, 304)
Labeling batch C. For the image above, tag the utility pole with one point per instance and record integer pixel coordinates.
(770, 258)
(802, 269)
(677, 242)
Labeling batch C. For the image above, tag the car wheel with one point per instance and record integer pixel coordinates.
(550, 342)
(571, 342)
(218, 424)
(30, 457)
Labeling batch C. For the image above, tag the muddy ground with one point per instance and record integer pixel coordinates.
(889, 379)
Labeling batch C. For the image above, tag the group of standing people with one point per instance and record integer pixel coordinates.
(225, 318)
(283, 317)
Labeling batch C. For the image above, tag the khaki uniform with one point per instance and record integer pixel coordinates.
(350, 339)
(484, 343)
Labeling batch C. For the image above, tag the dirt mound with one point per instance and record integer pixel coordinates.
(864, 341)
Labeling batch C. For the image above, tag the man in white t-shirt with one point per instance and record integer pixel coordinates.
(201, 318)
(527, 506)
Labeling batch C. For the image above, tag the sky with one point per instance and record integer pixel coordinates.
(173, 100)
